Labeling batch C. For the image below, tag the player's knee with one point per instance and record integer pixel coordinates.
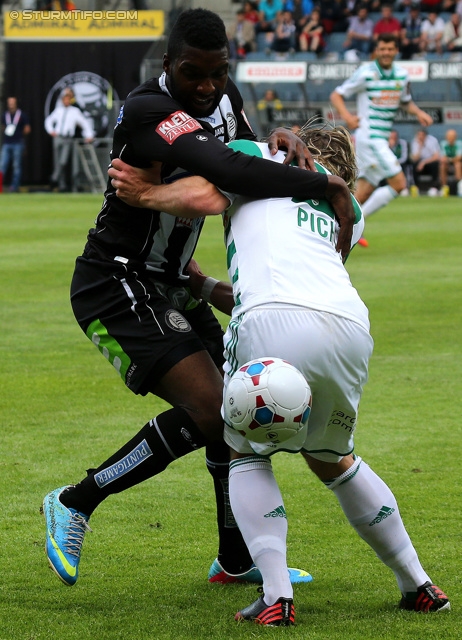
(398, 183)
(328, 470)
(207, 415)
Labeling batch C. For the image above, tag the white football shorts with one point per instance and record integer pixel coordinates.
(332, 353)
(376, 161)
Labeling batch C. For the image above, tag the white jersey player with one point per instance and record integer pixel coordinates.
(381, 87)
(294, 299)
(282, 260)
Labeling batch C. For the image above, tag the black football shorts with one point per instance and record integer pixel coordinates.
(137, 329)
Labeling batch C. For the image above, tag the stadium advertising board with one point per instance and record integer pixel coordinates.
(271, 71)
(452, 115)
(82, 25)
(445, 70)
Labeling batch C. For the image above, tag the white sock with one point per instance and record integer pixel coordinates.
(372, 510)
(259, 512)
(378, 199)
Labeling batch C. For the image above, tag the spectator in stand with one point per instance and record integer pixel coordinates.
(372, 6)
(15, 127)
(241, 36)
(452, 34)
(359, 34)
(431, 5)
(301, 12)
(268, 105)
(334, 16)
(411, 32)
(251, 12)
(284, 40)
(425, 156)
(311, 37)
(268, 11)
(450, 160)
(400, 148)
(449, 6)
(387, 23)
(431, 40)
(299, 8)
(404, 6)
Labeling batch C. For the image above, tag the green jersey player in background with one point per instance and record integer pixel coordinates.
(381, 87)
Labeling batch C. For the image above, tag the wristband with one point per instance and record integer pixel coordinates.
(207, 288)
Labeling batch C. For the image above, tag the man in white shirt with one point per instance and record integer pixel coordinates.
(359, 34)
(425, 156)
(61, 125)
(452, 35)
(432, 33)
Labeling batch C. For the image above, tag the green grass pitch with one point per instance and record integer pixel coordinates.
(144, 569)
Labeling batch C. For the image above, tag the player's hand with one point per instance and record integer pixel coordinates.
(131, 183)
(196, 278)
(296, 148)
(424, 118)
(338, 194)
(352, 121)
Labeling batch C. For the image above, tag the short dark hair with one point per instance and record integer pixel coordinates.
(198, 28)
(388, 37)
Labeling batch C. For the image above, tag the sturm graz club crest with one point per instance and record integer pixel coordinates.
(176, 321)
(94, 96)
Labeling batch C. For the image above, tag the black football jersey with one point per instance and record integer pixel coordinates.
(152, 126)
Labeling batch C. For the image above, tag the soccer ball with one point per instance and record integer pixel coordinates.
(267, 401)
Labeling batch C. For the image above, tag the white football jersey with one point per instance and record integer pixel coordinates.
(281, 250)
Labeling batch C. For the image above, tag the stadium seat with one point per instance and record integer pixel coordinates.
(256, 56)
(261, 42)
(334, 43)
(307, 56)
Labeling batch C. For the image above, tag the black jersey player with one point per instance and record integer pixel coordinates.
(129, 291)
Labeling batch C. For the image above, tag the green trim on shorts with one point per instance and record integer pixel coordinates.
(109, 347)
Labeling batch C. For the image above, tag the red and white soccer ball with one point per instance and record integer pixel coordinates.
(267, 401)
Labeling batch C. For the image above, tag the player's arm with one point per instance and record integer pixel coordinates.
(423, 117)
(190, 197)
(338, 102)
(217, 292)
(199, 152)
(248, 175)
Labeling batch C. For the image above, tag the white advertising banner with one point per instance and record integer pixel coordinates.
(271, 71)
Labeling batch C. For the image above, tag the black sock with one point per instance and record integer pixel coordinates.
(233, 554)
(169, 436)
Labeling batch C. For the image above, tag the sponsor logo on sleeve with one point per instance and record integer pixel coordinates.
(176, 125)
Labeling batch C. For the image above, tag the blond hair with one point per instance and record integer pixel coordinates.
(332, 147)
